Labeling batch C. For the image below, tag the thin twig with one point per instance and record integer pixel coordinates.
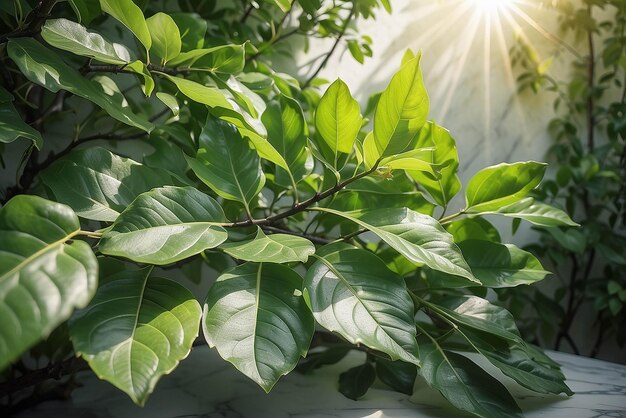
(34, 21)
(331, 51)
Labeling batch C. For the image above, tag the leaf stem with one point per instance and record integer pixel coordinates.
(300, 207)
(449, 218)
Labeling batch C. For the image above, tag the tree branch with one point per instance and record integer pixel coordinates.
(332, 50)
(34, 21)
(303, 205)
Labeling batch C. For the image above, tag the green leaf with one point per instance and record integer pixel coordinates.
(197, 92)
(418, 237)
(165, 225)
(131, 16)
(86, 10)
(166, 42)
(227, 59)
(398, 375)
(465, 385)
(12, 126)
(226, 163)
(75, 38)
(285, 125)
(193, 29)
(136, 329)
(44, 273)
(520, 362)
(338, 119)
(353, 293)
(473, 228)
(495, 265)
(477, 313)
(274, 248)
(537, 213)
(355, 382)
(402, 110)
(500, 185)
(141, 69)
(169, 101)
(284, 5)
(570, 239)
(98, 184)
(446, 184)
(257, 319)
(42, 66)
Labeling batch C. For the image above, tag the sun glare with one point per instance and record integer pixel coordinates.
(489, 7)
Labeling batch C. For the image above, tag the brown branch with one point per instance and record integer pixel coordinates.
(34, 21)
(300, 207)
(331, 51)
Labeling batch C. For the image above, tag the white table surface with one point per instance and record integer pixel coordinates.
(205, 386)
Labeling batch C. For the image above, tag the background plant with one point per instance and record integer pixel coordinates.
(208, 159)
(589, 181)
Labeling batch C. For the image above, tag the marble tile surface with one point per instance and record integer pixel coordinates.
(204, 386)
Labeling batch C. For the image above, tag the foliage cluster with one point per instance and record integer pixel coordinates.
(327, 228)
(589, 156)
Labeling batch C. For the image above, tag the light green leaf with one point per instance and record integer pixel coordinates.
(338, 119)
(402, 110)
(500, 185)
(140, 68)
(353, 293)
(75, 38)
(44, 274)
(42, 66)
(131, 16)
(285, 126)
(284, 5)
(536, 213)
(495, 265)
(165, 225)
(446, 184)
(418, 237)
(226, 163)
(98, 184)
(228, 59)
(136, 329)
(274, 248)
(197, 92)
(257, 319)
(414, 160)
(166, 42)
(465, 385)
(473, 228)
(12, 126)
(169, 101)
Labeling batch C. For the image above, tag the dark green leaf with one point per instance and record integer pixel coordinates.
(42, 66)
(465, 385)
(12, 126)
(355, 382)
(398, 375)
(99, 185)
(226, 163)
